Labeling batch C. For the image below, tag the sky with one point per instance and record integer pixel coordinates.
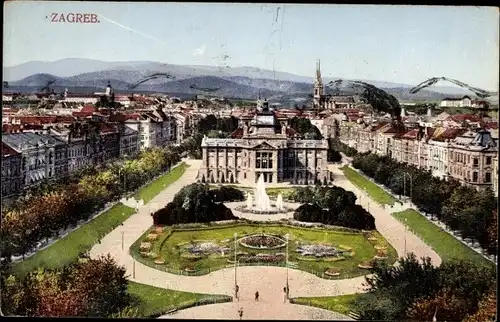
(404, 44)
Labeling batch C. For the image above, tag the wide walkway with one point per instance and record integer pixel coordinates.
(269, 281)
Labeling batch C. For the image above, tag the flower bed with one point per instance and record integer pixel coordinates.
(378, 247)
(191, 256)
(159, 262)
(262, 258)
(152, 237)
(333, 271)
(206, 248)
(318, 250)
(145, 246)
(262, 241)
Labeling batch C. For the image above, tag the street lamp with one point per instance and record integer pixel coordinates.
(404, 184)
(287, 290)
(122, 239)
(406, 220)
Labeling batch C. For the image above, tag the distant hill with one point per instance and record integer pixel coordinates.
(132, 71)
(284, 92)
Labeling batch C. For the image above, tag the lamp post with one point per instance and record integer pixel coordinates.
(286, 262)
(404, 184)
(235, 263)
(406, 219)
(122, 239)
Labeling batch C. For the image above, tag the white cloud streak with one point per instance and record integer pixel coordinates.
(132, 30)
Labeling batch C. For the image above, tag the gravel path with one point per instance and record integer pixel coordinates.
(269, 281)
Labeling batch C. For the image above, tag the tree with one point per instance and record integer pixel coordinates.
(446, 305)
(101, 284)
(405, 282)
(377, 306)
(487, 308)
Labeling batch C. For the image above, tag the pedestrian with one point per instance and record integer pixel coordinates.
(284, 294)
(257, 296)
(240, 312)
(236, 290)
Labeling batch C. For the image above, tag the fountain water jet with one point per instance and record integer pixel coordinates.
(249, 200)
(279, 202)
(262, 202)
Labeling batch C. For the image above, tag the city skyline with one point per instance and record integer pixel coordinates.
(402, 44)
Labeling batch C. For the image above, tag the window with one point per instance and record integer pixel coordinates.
(487, 177)
(488, 160)
(475, 162)
(474, 176)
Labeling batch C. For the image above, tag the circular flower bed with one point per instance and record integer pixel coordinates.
(318, 250)
(159, 261)
(332, 271)
(262, 241)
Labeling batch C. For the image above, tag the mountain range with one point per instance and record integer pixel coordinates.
(235, 82)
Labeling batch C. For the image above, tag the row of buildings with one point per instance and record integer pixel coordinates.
(44, 147)
(469, 155)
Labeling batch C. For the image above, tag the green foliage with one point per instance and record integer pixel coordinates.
(441, 198)
(332, 206)
(97, 287)
(42, 216)
(192, 204)
(412, 286)
(304, 127)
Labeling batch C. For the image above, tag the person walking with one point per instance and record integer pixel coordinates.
(284, 294)
(257, 296)
(236, 290)
(240, 313)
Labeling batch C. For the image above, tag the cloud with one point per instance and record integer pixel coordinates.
(199, 51)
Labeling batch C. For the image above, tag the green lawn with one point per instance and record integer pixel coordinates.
(443, 243)
(170, 247)
(157, 301)
(67, 249)
(150, 191)
(378, 194)
(342, 304)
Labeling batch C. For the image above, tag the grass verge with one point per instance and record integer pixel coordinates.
(68, 248)
(342, 304)
(447, 246)
(155, 301)
(150, 191)
(378, 194)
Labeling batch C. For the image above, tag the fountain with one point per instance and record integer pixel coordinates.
(249, 201)
(279, 202)
(262, 202)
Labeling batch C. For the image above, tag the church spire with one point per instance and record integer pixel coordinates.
(318, 71)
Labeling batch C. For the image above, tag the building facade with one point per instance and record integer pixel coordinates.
(12, 181)
(264, 145)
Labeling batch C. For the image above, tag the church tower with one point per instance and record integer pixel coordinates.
(318, 87)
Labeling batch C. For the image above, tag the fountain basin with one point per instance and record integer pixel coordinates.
(273, 211)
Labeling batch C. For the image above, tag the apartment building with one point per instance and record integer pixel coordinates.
(12, 180)
(472, 156)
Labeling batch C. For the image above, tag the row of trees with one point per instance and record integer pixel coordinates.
(196, 203)
(417, 291)
(462, 208)
(92, 288)
(210, 126)
(331, 206)
(304, 127)
(43, 216)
